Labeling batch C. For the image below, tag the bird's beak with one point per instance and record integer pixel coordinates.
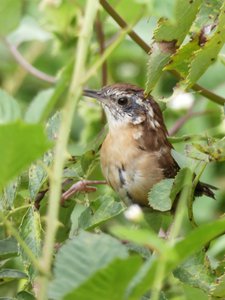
(92, 94)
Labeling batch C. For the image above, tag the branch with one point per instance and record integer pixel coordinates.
(138, 40)
(180, 122)
(26, 65)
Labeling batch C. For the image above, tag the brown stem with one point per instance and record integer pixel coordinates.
(119, 20)
(101, 40)
(180, 122)
(81, 186)
(26, 65)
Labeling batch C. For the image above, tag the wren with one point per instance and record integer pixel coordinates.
(136, 153)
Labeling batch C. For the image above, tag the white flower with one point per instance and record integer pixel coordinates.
(134, 213)
(180, 100)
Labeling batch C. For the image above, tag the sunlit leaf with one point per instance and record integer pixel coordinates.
(80, 258)
(102, 284)
(10, 11)
(23, 144)
(179, 252)
(159, 196)
(9, 108)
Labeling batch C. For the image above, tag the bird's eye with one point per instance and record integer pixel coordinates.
(122, 101)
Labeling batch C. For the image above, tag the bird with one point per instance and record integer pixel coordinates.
(136, 153)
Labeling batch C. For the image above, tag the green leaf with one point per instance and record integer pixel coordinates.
(185, 13)
(9, 108)
(182, 179)
(10, 11)
(9, 194)
(159, 196)
(30, 231)
(8, 248)
(140, 237)
(175, 256)
(37, 107)
(215, 151)
(38, 174)
(24, 295)
(207, 54)
(157, 60)
(80, 258)
(107, 209)
(218, 289)
(109, 283)
(196, 271)
(23, 144)
(11, 274)
(167, 37)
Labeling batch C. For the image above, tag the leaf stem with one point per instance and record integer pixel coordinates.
(26, 65)
(75, 91)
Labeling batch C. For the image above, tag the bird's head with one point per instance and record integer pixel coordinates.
(123, 104)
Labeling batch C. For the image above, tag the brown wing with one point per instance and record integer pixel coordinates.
(155, 138)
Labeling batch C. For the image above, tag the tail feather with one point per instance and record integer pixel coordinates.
(205, 189)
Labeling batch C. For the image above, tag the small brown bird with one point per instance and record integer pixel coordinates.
(136, 153)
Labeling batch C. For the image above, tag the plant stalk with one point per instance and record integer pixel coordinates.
(75, 91)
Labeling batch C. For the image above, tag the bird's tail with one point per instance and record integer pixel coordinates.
(205, 189)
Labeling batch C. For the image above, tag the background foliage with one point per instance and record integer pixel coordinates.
(87, 245)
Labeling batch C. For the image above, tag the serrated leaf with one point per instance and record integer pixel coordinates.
(167, 37)
(109, 283)
(23, 144)
(38, 175)
(185, 13)
(159, 196)
(9, 108)
(108, 209)
(9, 194)
(178, 253)
(180, 61)
(157, 60)
(30, 231)
(10, 11)
(80, 258)
(37, 107)
(207, 54)
(11, 274)
(196, 271)
(8, 248)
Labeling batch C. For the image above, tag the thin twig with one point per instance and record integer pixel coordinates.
(101, 40)
(138, 40)
(26, 65)
(120, 21)
(81, 186)
(189, 115)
